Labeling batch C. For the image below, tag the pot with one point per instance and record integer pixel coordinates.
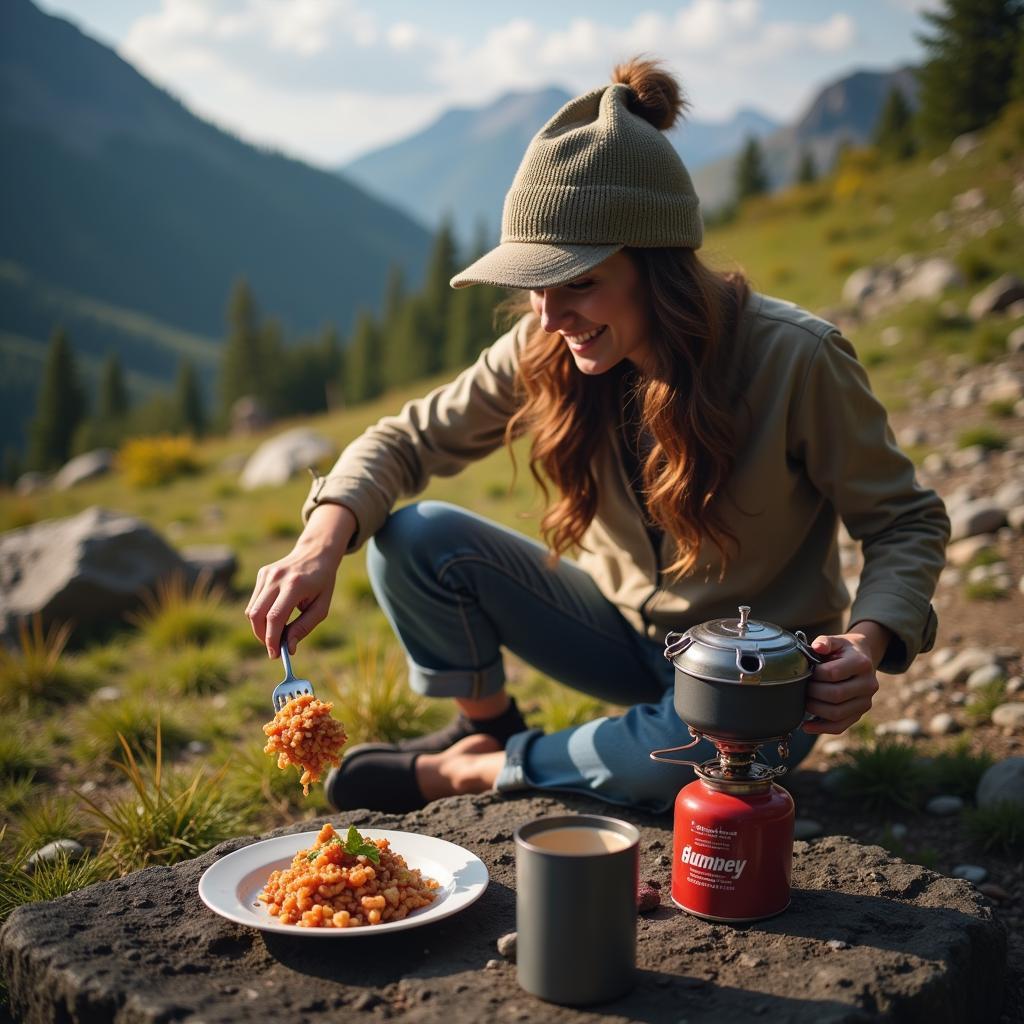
(740, 679)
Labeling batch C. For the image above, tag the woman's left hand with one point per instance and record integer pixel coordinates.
(843, 686)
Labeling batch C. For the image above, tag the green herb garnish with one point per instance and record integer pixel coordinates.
(353, 844)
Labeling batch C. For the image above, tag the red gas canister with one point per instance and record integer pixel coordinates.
(732, 848)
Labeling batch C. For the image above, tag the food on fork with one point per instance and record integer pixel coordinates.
(346, 883)
(303, 734)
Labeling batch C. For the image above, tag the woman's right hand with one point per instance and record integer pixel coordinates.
(303, 579)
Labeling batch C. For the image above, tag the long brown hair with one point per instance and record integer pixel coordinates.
(686, 405)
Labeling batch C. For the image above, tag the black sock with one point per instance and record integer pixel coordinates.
(502, 726)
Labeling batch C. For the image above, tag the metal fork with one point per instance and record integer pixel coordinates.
(289, 688)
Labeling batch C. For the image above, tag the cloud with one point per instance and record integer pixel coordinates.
(328, 78)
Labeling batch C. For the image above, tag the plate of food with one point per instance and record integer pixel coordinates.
(334, 883)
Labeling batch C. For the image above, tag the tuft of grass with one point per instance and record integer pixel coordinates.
(15, 794)
(175, 614)
(988, 438)
(988, 343)
(166, 816)
(957, 771)
(357, 589)
(152, 461)
(984, 590)
(48, 881)
(261, 787)
(104, 728)
(52, 817)
(984, 701)
(198, 670)
(375, 703)
(243, 643)
(1001, 409)
(986, 556)
(563, 708)
(884, 776)
(999, 827)
(281, 528)
(327, 636)
(18, 759)
(35, 673)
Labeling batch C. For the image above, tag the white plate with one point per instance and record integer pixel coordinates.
(230, 887)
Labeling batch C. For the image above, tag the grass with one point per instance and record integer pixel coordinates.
(374, 701)
(956, 771)
(18, 759)
(166, 816)
(985, 700)
(155, 461)
(999, 827)
(49, 818)
(199, 670)
(176, 614)
(885, 776)
(103, 729)
(984, 590)
(563, 708)
(258, 785)
(34, 673)
(985, 437)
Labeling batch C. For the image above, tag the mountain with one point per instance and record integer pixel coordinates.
(113, 189)
(845, 111)
(462, 164)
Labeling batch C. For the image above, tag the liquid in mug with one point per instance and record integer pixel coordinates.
(579, 840)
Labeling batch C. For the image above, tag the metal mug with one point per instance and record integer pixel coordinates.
(576, 881)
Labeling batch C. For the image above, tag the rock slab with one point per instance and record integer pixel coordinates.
(867, 937)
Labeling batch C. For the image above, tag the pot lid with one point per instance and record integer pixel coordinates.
(742, 633)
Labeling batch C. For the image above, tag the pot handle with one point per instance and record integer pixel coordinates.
(656, 755)
(806, 650)
(676, 646)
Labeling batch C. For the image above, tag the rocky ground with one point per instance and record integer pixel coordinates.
(980, 604)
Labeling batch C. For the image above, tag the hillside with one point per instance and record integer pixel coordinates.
(114, 190)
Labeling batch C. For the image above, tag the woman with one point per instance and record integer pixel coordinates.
(703, 442)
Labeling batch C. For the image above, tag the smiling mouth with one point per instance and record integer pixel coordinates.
(580, 342)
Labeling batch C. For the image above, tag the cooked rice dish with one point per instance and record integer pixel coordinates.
(346, 883)
(304, 734)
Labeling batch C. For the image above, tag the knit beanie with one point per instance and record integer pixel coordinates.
(599, 176)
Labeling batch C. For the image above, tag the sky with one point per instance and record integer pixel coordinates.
(328, 80)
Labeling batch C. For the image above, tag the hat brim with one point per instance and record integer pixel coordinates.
(533, 264)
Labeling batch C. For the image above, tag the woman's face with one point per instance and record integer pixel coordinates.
(601, 316)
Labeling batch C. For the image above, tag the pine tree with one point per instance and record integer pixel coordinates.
(437, 297)
(246, 366)
(363, 366)
(751, 177)
(894, 134)
(112, 401)
(189, 414)
(394, 297)
(967, 77)
(60, 406)
(807, 171)
(408, 359)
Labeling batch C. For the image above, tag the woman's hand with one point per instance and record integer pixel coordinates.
(303, 579)
(842, 687)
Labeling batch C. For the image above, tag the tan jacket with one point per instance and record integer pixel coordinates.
(817, 447)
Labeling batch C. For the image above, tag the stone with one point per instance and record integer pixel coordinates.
(507, 945)
(859, 285)
(107, 694)
(281, 457)
(1014, 685)
(70, 848)
(1015, 519)
(1015, 341)
(215, 563)
(943, 724)
(898, 831)
(1005, 391)
(975, 517)
(835, 780)
(985, 676)
(960, 552)
(912, 437)
(961, 146)
(82, 468)
(944, 806)
(972, 199)
(89, 568)
(972, 873)
(995, 297)
(837, 944)
(834, 747)
(1003, 782)
(900, 727)
(143, 948)
(891, 336)
(970, 457)
(930, 278)
(993, 891)
(807, 828)
(31, 483)
(1009, 716)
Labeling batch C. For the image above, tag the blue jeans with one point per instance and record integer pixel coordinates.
(458, 588)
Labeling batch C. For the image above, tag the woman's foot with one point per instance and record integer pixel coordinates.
(469, 766)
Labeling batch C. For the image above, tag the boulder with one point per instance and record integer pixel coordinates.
(958, 668)
(1003, 782)
(88, 568)
(866, 937)
(1015, 341)
(84, 467)
(995, 298)
(30, 483)
(1009, 716)
(964, 144)
(975, 517)
(859, 285)
(215, 563)
(278, 459)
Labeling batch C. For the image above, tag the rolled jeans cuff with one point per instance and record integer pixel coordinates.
(457, 682)
(512, 776)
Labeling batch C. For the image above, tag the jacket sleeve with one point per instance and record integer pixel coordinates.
(841, 433)
(437, 435)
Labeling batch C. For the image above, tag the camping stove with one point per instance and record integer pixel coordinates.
(732, 848)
